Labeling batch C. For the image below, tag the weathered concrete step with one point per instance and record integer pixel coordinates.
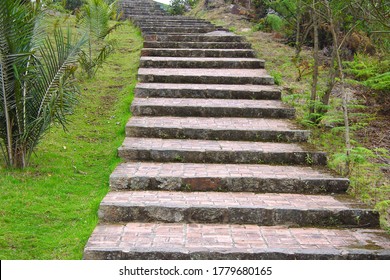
(197, 45)
(149, 241)
(204, 76)
(130, 13)
(173, 24)
(200, 62)
(199, 52)
(189, 107)
(235, 208)
(232, 129)
(143, 10)
(218, 36)
(213, 91)
(175, 29)
(208, 151)
(226, 177)
(139, 5)
(165, 18)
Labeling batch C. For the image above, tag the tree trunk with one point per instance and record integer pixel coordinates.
(342, 80)
(313, 96)
(298, 44)
(331, 81)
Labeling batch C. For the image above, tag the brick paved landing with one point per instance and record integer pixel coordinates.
(214, 166)
(218, 241)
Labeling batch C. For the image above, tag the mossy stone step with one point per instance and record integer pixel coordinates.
(212, 151)
(151, 241)
(235, 208)
(226, 177)
(189, 107)
(214, 91)
(208, 37)
(196, 45)
(200, 62)
(205, 76)
(249, 53)
(232, 129)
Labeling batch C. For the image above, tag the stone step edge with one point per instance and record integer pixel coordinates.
(123, 207)
(244, 242)
(147, 152)
(140, 107)
(219, 91)
(124, 179)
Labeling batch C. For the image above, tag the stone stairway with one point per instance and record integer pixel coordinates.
(214, 167)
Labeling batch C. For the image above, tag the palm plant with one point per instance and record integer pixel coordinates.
(94, 20)
(36, 88)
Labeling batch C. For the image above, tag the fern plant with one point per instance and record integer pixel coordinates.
(36, 88)
(94, 20)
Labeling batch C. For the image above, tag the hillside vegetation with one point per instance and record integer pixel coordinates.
(363, 88)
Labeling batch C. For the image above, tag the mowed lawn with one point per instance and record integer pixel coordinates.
(49, 210)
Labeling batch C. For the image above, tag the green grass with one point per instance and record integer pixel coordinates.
(49, 210)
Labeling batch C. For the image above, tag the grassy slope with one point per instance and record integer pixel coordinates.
(49, 210)
(368, 183)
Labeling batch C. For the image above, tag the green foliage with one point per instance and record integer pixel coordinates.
(36, 76)
(72, 5)
(370, 71)
(379, 82)
(270, 23)
(49, 210)
(179, 7)
(277, 77)
(94, 20)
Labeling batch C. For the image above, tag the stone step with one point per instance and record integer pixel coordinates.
(213, 91)
(226, 177)
(168, 19)
(210, 151)
(216, 36)
(249, 53)
(177, 29)
(131, 12)
(142, 10)
(200, 62)
(131, 15)
(148, 241)
(235, 208)
(195, 107)
(196, 45)
(165, 18)
(174, 24)
(231, 129)
(168, 23)
(204, 76)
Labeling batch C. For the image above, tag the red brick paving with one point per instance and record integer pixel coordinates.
(242, 238)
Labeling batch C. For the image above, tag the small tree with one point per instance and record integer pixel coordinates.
(35, 85)
(94, 20)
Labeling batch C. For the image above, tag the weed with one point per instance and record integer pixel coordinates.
(277, 77)
(186, 187)
(309, 159)
(178, 158)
